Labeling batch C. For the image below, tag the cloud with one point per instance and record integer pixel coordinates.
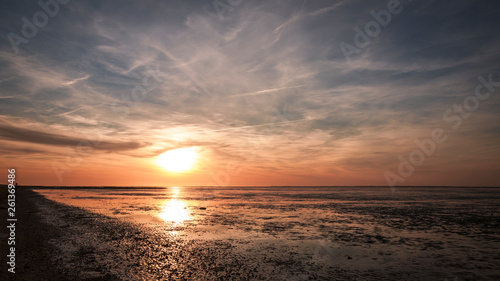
(222, 84)
(8, 150)
(15, 133)
(77, 80)
(266, 91)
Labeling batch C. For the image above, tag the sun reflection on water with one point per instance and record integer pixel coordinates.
(174, 210)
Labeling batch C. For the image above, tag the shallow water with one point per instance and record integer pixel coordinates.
(334, 232)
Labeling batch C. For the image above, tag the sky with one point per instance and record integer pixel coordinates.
(356, 92)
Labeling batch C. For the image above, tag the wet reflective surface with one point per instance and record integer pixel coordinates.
(304, 233)
(174, 211)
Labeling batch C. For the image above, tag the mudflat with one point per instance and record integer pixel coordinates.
(258, 234)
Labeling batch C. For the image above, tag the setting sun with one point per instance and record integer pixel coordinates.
(178, 160)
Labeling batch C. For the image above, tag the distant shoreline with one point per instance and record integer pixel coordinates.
(249, 187)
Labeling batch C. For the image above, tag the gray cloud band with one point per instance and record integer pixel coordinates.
(9, 132)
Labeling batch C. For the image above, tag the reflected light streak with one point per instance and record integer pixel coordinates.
(174, 210)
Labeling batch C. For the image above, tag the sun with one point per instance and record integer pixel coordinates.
(178, 160)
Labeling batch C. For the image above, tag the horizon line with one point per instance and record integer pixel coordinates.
(155, 186)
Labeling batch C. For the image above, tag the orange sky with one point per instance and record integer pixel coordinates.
(266, 94)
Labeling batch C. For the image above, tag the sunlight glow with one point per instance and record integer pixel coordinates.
(174, 211)
(178, 160)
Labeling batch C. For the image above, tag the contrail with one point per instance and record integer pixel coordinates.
(250, 126)
(266, 91)
(76, 80)
(188, 71)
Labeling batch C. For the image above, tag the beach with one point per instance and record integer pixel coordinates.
(34, 255)
(245, 234)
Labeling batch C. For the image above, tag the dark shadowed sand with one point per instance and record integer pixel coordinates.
(34, 255)
(452, 237)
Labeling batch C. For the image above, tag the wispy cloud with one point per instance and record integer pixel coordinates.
(267, 91)
(77, 80)
(223, 83)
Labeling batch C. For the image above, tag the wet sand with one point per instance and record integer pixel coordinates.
(451, 237)
(34, 255)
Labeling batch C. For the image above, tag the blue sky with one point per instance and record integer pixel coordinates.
(265, 86)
